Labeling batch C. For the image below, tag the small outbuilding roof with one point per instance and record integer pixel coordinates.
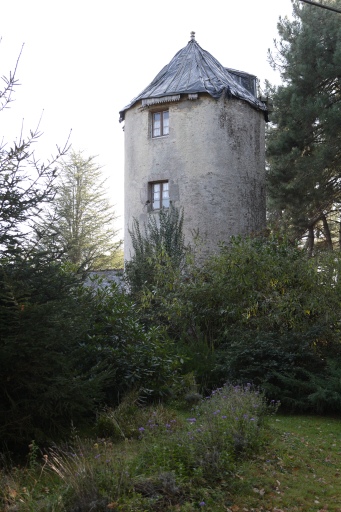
(193, 70)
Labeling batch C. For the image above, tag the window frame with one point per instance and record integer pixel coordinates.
(151, 186)
(161, 112)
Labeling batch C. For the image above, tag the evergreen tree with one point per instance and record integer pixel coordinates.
(303, 142)
(45, 383)
(26, 183)
(41, 384)
(80, 220)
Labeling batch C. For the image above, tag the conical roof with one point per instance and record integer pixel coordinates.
(193, 70)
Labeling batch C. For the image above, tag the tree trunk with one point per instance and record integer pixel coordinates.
(310, 240)
(327, 232)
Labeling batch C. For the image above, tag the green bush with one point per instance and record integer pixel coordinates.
(43, 387)
(66, 350)
(258, 311)
(225, 427)
(258, 285)
(160, 244)
(134, 356)
(123, 421)
(286, 366)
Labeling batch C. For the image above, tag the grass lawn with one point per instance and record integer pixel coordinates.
(300, 471)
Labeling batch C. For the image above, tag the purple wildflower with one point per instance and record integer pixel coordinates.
(191, 420)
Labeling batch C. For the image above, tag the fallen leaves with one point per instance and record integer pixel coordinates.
(261, 492)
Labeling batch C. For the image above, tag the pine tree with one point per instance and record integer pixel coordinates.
(303, 142)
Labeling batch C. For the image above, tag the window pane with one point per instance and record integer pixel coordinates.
(165, 195)
(157, 124)
(159, 195)
(156, 193)
(165, 123)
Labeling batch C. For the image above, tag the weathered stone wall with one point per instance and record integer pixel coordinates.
(214, 159)
(103, 278)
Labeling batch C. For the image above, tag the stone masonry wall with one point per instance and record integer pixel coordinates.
(214, 159)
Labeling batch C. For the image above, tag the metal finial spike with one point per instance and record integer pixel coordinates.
(192, 36)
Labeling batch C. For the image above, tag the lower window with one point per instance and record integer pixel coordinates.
(159, 192)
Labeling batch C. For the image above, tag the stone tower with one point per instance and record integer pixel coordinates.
(195, 137)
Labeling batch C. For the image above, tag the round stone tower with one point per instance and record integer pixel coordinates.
(195, 138)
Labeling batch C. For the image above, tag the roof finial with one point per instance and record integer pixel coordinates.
(192, 36)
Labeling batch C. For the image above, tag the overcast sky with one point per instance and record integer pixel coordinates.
(84, 60)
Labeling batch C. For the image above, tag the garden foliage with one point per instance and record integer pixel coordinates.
(67, 350)
(260, 310)
(176, 460)
(226, 426)
(160, 244)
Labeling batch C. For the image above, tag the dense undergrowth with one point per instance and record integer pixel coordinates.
(167, 459)
(260, 310)
(295, 467)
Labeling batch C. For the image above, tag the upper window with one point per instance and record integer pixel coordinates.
(159, 195)
(160, 123)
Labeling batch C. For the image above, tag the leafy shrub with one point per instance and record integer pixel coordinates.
(43, 386)
(258, 311)
(66, 350)
(257, 285)
(227, 425)
(134, 356)
(124, 421)
(160, 244)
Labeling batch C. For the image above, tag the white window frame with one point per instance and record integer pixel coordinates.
(161, 129)
(159, 195)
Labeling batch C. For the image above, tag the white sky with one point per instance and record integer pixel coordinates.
(84, 60)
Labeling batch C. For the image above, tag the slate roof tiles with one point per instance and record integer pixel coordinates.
(193, 70)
